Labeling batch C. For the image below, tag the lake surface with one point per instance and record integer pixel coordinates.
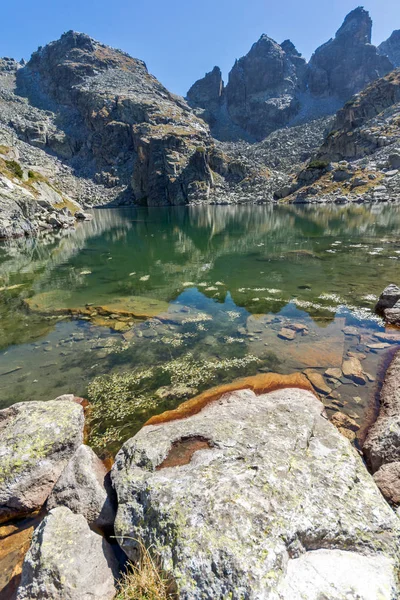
(174, 300)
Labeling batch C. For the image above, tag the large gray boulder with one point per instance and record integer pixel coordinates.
(67, 561)
(37, 439)
(257, 497)
(84, 487)
(382, 445)
(388, 298)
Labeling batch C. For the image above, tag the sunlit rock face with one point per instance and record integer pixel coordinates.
(346, 64)
(391, 48)
(260, 91)
(208, 92)
(257, 497)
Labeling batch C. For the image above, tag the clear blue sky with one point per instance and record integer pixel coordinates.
(182, 39)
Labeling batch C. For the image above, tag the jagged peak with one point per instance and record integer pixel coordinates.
(357, 25)
(290, 48)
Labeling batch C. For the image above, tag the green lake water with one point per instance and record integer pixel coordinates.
(220, 284)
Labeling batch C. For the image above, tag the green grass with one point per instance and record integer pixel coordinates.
(14, 168)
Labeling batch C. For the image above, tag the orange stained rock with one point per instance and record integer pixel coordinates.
(15, 540)
(259, 384)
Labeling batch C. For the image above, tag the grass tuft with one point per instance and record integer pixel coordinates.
(144, 580)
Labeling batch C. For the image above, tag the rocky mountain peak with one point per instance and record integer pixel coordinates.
(290, 48)
(391, 48)
(260, 88)
(346, 64)
(357, 27)
(207, 92)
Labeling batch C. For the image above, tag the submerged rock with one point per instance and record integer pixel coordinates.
(37, 439)
(352, 369)
(270, 502)
(67, 561)
(317, 381)
(84, 488)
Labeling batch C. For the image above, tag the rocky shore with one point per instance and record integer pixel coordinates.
(247, 490)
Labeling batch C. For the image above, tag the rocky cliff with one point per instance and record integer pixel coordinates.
(359, 159)
(273, 86)
(391, 48)
(111, 123)
(346, 64)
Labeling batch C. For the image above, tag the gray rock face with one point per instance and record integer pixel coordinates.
(84, 487)
(134, 127)
(260, 92)
(37, 439)
(391, 48)
(208, 92)
(67, 561)
(257, 497)
(357, 130)
(17, 210)
(382, 445)
(346, 64)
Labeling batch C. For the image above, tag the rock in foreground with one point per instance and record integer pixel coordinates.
(85, 489)
(36, 441)
(67, 561)
(257, 497)
(382, 445)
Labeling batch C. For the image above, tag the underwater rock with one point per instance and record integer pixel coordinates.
(318, 382)
(352, 369)
(57, 302)
(37, 439)
(224, 525)
(67, 561)
(287, 334)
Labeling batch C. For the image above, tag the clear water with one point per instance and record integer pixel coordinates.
(226, 280)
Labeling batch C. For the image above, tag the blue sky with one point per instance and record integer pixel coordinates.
(182, 39)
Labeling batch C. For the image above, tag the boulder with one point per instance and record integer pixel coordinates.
(329, 574)
(257, 497)
(392, 315)
(67, 561)
(388, 298)
(85, 488)
(37, 439)
(317, 381)
(387, 478)
(394, 160)
(382, 445)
